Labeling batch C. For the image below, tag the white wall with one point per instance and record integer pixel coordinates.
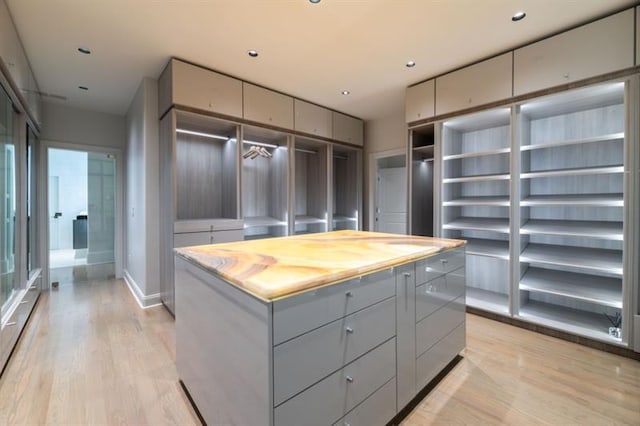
(142, 217)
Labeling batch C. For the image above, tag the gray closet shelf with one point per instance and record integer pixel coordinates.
(303, 219)
(261, 221)
(573, 172)
(574, 228)
(490, 248)
(595, 200)
(588, 259)
(487, 300)
(476, 178)
(477, 154)
(479, 223)
(478, 201)
(579, 141)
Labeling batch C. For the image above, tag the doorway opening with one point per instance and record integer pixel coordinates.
(81, 207)
(390, 211)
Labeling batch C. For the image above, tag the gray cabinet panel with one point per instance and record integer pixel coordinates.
(298, 314)
(266, 106)
(420, 101)
(461, 89)
(437, 325)
(312, 119)
(333, 397)
(594, 49)
(348, 129)
(406, 333)
(637, 36)
(301, 362)
(201, 238)
(376, 410)
(184, 226)
(433, 267)
(436, 293)
(429, 364)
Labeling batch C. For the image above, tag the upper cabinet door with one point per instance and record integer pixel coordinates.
(594, 49)
(420, 101)
(191, 86)
(638, 35)
(348, 129)
(482, 83)
(266, 106)
(312, 119)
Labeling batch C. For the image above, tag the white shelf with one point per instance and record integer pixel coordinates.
(262, 221)
(489, 248)
(589, 324)
(478, 201)
(476, 178)
(424, 149)
(479, 223)
(338, 218)
(573, 172)
(595, 200)
(580, 141)
(574, 228)
(487, 300)
(477, 154)
(307, 220)
(589, 259)
(590, 288)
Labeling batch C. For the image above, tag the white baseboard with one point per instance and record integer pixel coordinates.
(144, 301)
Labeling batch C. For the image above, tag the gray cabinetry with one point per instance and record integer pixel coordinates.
(406, 334)
(311, 186)
(347, 129)
(594, 49)
(460, 89)
(420, 101)
(637, 36)
(312, 119)
(267, 107)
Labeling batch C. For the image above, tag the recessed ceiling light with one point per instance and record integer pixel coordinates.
(84, 50)
(411, 64)
(345, 92)
(314, 1)
(518, 16)
(252, 53)
(83, 88)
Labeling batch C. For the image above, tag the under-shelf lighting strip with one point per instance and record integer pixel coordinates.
(204, 135)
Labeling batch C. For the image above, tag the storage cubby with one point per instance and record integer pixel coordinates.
(476, 200)
(310, 184)
(346, 188)
(265, 168)
(422, 155)
(572, 151)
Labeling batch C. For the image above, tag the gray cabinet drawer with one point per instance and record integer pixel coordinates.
(378, 409)
(435, 266)
(266, 106)
(437, 325)
(296, 315)
(432, 295)
(333, 397)
(301, 362)
(429, 364)
(202, 238)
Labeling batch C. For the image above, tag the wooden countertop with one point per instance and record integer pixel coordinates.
(277, 267)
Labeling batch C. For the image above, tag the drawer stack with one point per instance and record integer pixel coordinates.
(334, 355)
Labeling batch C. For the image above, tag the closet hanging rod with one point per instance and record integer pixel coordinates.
(306, 151)
(340, 157)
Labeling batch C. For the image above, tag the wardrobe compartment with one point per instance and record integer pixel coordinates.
(346, 188)
(422, 168)
(311, 180)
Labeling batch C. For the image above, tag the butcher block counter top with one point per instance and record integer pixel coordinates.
(273, 268)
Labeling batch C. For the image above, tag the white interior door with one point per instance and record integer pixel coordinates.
(391, 198)
(54, 208)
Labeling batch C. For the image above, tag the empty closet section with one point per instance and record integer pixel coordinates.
(265, 200)
(347, 184)
(422, 146)
(476, 201)
(572, 210)
(311, 181)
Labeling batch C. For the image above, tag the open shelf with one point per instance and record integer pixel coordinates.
(589, 259)
(573, 172)
(306, 220)
(477, 154)
(476, 178)
(479, 201)
(595, 200)
(262, 221)
(479, 223)
(426, 151)
(338, 218)
(487, 300)
(574, 228)
(489, 248)
(589, 324)
(590, 288)
(577, 141)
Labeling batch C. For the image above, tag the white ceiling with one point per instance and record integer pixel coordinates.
(312, 51)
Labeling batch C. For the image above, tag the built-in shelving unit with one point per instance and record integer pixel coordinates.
(476, 201)
(572, 153)
(346, 165)
(311, 186)
(422, 169)
(265, 197)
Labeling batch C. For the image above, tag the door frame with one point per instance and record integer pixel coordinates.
(43, 183)
(371, 181)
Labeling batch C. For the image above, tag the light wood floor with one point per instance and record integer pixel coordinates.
(91, 355)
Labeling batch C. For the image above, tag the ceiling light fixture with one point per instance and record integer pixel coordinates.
(314, 1)
(84, 50)
(83, 88)
(345, 92)
(252, 53)
(204, 135)
(518, 16)
(411, 64)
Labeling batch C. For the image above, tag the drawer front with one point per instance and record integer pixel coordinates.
(436, 293)
(429, 364)
(296, 315)
(333, 397)
(435, 266)
(437, 325)
(202, 238)
(301, 362)
(378, 409)
(183, 226)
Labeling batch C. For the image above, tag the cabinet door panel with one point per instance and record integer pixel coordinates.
(637, 35)
(420, 101)
(482, 83)
(594, 49)
(429, 364)
(312, 119)
(347, 129)
(266, 106)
